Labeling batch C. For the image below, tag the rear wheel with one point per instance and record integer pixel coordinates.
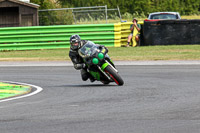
(114, 75)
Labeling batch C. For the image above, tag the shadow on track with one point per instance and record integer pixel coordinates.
(87, 85)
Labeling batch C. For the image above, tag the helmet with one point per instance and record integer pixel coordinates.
(75, 42)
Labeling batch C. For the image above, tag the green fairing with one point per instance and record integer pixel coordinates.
(104, 66)
(95, 75)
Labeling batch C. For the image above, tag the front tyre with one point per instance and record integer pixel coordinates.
(114, 75)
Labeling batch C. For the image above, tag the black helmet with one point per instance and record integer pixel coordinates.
(75, 42)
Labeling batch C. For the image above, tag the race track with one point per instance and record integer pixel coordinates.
(154, 99)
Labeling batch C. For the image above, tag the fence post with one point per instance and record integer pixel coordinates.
(119, 14)
(106, 13)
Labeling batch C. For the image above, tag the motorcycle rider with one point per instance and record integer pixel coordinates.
(75, 44)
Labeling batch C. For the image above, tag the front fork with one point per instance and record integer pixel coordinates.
(104, 73)
(103, 68)
(112, 66)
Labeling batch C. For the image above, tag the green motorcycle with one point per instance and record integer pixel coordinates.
(99, 64)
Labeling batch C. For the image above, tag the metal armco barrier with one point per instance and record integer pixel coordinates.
(169, 32)
(51, 37)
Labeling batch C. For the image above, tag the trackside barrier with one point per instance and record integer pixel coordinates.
(164, 32)
(51, 37)
(169, 32)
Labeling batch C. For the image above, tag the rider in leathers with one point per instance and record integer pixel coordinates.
(75, 44)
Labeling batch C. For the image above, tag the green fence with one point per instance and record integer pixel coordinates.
(51, 37)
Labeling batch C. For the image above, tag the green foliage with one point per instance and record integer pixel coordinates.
(132, 8)
(128, 16)
(144, 7)
(53, 17)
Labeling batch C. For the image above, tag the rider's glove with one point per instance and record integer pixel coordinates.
(79, 66)
(83, 66)
(103, 49)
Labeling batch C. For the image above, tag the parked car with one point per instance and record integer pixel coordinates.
(163, 16)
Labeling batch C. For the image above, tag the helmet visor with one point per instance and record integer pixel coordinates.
(75, 44)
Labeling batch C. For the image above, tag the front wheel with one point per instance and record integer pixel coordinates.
(114, 75)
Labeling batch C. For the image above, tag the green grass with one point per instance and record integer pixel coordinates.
(171, 52)
(10, 90)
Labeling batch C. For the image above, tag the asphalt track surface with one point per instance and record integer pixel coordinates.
(154, 99)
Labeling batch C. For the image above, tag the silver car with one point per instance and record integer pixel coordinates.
(164, 15)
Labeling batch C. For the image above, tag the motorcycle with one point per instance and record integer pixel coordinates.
(99, 65)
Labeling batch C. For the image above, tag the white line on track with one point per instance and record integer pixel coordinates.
(38, 89)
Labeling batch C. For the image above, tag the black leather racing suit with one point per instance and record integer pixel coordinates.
(79, 63)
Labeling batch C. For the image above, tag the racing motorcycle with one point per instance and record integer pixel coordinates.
(99, 65)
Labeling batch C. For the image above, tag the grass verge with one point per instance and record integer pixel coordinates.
(11, 90)
(171, 52)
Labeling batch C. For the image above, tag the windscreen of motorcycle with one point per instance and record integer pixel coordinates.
(88, 49)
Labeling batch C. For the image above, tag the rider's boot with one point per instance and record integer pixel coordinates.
(91, 79)
(84, 75)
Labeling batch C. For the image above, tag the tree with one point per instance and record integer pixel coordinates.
(53, 17)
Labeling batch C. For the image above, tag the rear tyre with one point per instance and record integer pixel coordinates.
(114, 75)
